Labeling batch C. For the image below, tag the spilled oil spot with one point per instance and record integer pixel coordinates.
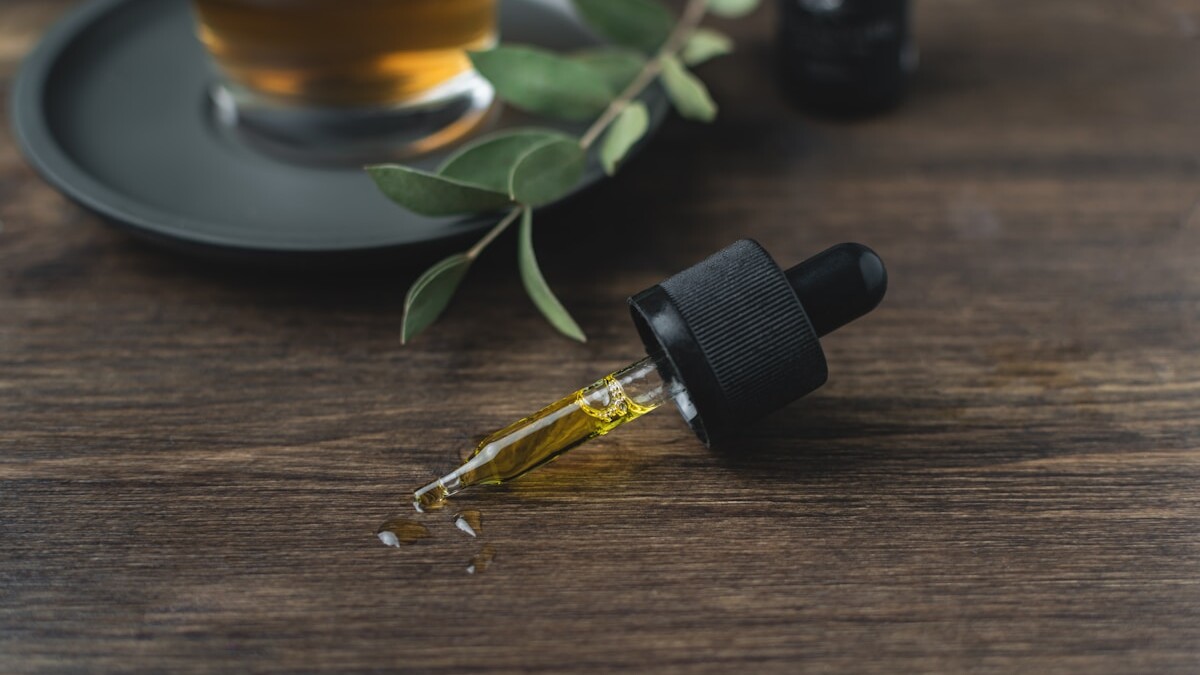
(482, 560)
(469, 521)
(401, 531)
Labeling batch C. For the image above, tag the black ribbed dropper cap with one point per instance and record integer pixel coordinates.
(742, 335)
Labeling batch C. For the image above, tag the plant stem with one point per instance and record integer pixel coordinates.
(496, 230)
(693, 13)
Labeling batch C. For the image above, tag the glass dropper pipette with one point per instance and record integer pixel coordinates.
(731, 339)
(577, 418)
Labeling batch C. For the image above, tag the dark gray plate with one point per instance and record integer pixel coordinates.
(112, 109)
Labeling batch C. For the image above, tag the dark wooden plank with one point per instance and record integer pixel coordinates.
(1000, 476)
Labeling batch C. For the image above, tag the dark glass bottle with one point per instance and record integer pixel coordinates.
(846, 57)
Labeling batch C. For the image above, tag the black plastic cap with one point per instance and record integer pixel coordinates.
(738, 333)
(734, 332)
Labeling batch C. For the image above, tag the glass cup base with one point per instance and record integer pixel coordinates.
(337, 135)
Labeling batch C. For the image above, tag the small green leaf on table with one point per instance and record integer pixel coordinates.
(432, 195)
(625, 132)
(546, 172)
(705, 44)
(732, 9)
(688, 94)
(430, 293)
(643, 24)
(536, 286)
(542, 82)
(489, 161)
(618, 65)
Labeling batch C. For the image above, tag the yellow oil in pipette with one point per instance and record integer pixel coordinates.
(533, 441)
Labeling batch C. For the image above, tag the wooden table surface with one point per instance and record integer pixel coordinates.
(1002, 474)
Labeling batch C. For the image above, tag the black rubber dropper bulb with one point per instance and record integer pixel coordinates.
(730, 340)
(839, 285)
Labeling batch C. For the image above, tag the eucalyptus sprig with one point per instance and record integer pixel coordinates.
(515, 171)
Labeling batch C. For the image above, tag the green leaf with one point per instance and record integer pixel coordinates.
(617, 65)
(705, 44)
(687, 92)
(643, 24)
(489, 161)
(625, 131)
(547, 171)
(536, 286)
(542, 82)
(433, 195)
(430, 293)
(732, 9)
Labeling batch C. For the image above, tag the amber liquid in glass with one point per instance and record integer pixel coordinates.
(344, 53)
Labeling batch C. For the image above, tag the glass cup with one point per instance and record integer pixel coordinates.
(348, 80)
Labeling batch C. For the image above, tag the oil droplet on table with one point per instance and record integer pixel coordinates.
(397, 531)
(469, 521)
(479, 563)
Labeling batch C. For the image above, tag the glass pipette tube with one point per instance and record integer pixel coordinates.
(577, 418)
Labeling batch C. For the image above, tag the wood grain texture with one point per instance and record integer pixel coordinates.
(1002, 475)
